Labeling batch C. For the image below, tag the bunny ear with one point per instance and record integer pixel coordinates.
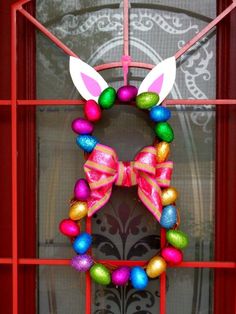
(86, 79)
(160, 79)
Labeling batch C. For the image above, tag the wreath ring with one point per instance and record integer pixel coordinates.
(150, 170)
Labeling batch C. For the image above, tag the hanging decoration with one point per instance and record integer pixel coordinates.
(150, 171)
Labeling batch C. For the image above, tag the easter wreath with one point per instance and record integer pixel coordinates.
(151, 171)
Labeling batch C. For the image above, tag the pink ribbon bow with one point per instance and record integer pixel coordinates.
(103, 169)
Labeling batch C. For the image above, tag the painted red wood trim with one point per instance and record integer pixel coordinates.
(163, 277)
(26, 162)
(63, 102)
(88, 283)
(14, 161)
(225, 232)
(186, 264)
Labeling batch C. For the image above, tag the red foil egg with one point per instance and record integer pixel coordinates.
(92, 111)
(69, 228)
(172, 255)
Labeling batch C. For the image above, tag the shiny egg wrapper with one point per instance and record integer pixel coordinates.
(162, 151)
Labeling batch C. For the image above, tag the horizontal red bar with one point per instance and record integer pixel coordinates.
(194, 264)
(5, 261)
(5, 102)
(62, 102)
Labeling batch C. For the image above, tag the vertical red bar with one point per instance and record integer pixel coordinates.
(14, 161)
(126, 27)
(163, 278)
(88, 279)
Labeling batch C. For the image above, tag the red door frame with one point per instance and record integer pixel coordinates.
(27, 166)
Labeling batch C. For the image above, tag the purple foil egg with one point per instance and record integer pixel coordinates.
(82, 262)
(127, 93)
(120, 276)
(82, 190)
(82, 126)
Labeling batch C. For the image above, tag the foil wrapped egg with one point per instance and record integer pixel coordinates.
(82, 243)
(160, 114)
(156, 266)
(82, 263)
(69, 228)
(86, 142)
(100, 274)
(138, 278)
(147, 100)
(168, 217)
(127, 93)
(107, 98)
(82, 190)
(169, 196)
(82, 126)
(78, 210)
(177, 238)
(164, 132)
(120, 276)
(172, 255)
(92, 111)
(162, 151)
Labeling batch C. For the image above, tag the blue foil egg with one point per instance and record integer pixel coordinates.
(168, 217)
(86, 142)
(160, 114)
(82, 243)
(139, 278)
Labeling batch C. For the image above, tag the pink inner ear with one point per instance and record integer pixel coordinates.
(92, 86)
(157, 85)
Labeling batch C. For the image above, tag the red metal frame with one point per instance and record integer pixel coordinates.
(15, 261)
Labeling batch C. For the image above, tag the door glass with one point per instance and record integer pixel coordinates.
(124, 229)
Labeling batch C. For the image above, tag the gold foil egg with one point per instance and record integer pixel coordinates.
(78, 210)
(156, 266)
(162, 151)
(169, 196)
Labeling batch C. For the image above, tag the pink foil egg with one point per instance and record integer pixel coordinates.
(82, 262)
(127, 93)
(120, 276)
(82, 190)
(82, 126)
(172, 255)
(69, 228)
(92, 111)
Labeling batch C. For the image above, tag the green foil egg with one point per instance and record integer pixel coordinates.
(164, 131)
(100, 274)
(177, 238)
(147, 100)
(107, 98)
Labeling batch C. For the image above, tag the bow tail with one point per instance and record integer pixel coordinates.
(149, 193)
(98, 199)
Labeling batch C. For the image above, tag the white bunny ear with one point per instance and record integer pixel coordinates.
(86, 79)
(160, 79)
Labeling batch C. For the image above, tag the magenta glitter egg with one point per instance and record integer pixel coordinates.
(82, 262)
(82, 190)
(120, 276)
(69, 228)
(127, 93)
(82, 126)
(172, 255)
(92, 111)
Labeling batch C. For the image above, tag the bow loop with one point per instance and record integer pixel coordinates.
(146, 160)
(103, 170)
